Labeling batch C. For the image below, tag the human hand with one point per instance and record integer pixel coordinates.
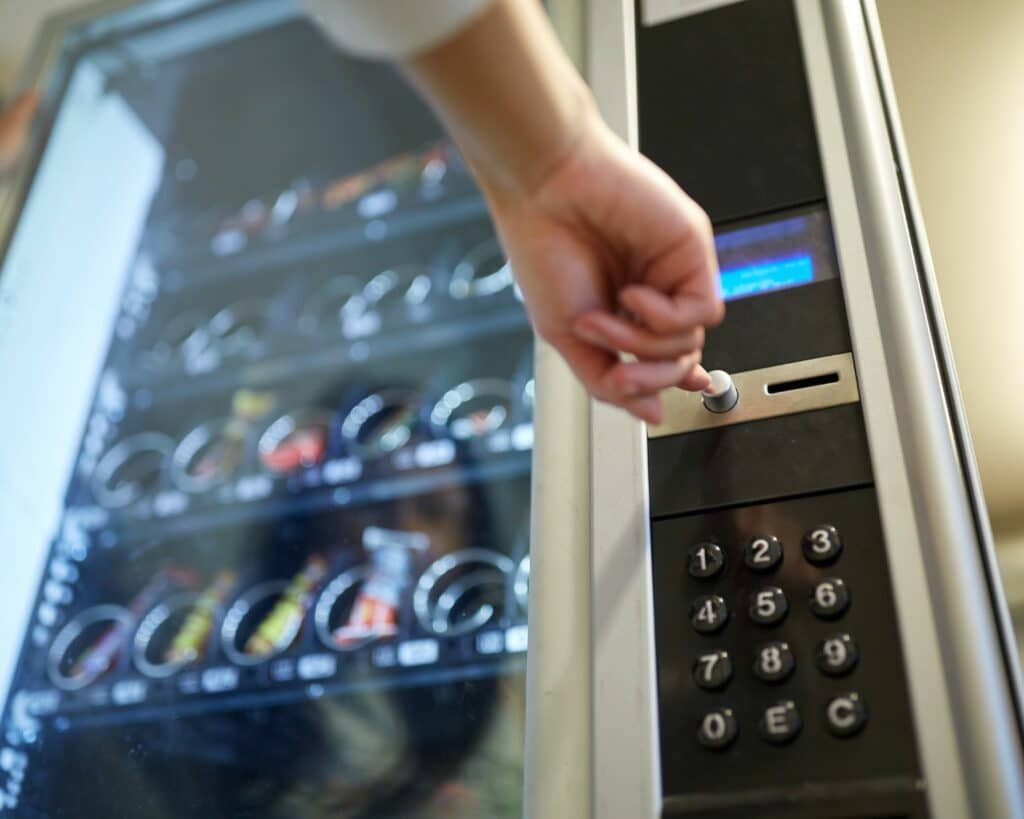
(14, 127)
(612, 257)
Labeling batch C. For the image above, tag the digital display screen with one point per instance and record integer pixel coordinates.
(775, 255)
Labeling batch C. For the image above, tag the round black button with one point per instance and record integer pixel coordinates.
(822, 545)
(837, 654)
(846, 714)
(774, 662)
(709, 614)
(713, 670)
(768, 606)
(763, 553)
(780, 722)
(705, 560)
(717, 729)
(830, 598)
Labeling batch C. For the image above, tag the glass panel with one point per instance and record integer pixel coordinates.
(271, 444)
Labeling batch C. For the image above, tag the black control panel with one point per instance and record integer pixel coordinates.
(781, 683)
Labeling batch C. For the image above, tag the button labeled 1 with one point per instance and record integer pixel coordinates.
(846, 715)
(768, 606)
(705, 560)
(780, 722)
(718, 729)
(709, 614)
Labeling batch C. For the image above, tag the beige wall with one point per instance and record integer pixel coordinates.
(19, 23)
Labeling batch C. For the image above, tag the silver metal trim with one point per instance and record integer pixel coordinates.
(626, 768)
(685, 412)
(656, 12)
(959, 695)
(944, 353)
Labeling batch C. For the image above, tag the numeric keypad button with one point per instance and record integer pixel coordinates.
(837, 655)
(718, 729)
(709, 614)
(774, 662)
(763, 553)
(713, 670)
(846, 714)
(705, 561)
(768, 606)
(780, 723)
(830, 598)
(822, 545)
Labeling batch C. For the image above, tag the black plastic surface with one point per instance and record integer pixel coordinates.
(881, 756)
(724, 108)
(760, 460)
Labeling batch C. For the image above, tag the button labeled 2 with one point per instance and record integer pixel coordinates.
(709, 614)
(763, 553)
(768, 606)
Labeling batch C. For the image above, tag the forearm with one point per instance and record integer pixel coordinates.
(507, 93)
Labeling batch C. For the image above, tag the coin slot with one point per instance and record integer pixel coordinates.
(801, 383)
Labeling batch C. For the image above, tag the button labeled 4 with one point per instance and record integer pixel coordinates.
(709, 614)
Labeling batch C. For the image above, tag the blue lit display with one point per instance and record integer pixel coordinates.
(766, 276)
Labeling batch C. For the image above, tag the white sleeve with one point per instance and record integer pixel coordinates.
(392, 28)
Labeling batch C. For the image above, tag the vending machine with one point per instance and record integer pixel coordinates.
(792, 601)
(267, 402)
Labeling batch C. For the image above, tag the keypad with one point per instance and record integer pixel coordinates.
(763, 553)
(771, 662)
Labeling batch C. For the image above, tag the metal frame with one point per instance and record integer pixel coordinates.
(959, 687)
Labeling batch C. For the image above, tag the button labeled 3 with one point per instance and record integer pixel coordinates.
(846, 715)
(780, 722)
(822, 545)
(768, 606)
(717, 729)
(713, 670)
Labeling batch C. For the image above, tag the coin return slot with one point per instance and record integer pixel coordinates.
(801, 383)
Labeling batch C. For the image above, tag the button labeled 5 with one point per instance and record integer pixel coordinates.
(768, 606)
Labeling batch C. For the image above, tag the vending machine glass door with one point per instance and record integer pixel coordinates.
(268, 421)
